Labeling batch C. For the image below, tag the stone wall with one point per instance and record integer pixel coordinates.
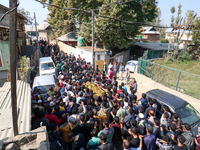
(35, 139)
(66, 48)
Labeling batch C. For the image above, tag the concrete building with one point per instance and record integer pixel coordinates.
(44, 30)
(150, 34)
(30, 33)
(100, 55)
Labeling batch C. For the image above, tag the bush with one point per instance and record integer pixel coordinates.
(164, 41)
(185, 57)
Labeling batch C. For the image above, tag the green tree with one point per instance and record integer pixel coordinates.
(173, 9)
(109, 32)
(164, 41)
(189, 16)
(196, 35)
(26, 14)
(179, 12)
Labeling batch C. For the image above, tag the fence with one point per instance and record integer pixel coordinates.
(181, 81)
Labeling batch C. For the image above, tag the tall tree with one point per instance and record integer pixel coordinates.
(26, 14)
(109, 32)
(189, 16)
(196, 35)
(179, 12)
(173, 9)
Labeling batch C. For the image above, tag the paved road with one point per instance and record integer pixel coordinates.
(139, 94)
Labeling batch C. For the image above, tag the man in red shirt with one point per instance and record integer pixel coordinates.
(111, 74)
(117, 140)
(52, 118)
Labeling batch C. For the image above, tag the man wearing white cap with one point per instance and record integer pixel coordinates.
(142, 122)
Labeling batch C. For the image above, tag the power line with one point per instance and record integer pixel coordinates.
(9, 12)
(90, 12)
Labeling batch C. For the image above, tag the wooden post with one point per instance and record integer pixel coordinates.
(13, 40)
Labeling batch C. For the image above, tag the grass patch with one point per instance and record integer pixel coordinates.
(188, 83)
(192, 66)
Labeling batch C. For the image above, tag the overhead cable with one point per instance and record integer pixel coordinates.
(1, 19)
(90, 12)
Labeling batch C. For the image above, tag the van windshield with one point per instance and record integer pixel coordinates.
(43, 88)
(47, 66)
(188, 114)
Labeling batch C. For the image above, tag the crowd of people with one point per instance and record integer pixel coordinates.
(77, 119)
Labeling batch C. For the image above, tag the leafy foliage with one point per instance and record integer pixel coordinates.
(185, 57)
(109, 32)
(164, 41)
(172, 11)
(25, 13)
(196, 35)
(23, 67)
(179, 12)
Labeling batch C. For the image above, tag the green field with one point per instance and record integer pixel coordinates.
(187, 83)
(192, 66)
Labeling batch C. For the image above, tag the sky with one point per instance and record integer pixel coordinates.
(165, 6)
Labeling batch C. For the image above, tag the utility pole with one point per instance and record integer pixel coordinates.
(38, 48)
(93, 39)
(13, 40)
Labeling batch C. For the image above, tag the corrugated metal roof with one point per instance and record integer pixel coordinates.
(43, 26)
(153, 46)
(71, 36)
(89, 48)
(23, 105)
(150, 30)
(169, 30)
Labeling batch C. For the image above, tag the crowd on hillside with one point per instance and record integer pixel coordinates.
(77, 119)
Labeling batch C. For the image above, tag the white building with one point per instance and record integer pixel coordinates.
(183, 34)
(86, 52)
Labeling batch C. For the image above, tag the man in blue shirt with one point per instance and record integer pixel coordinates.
(125, 89)
(143, 101)
(150, 138)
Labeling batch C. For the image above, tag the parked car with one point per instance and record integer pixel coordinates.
(46, 66)
(131, 65)
(187, 113)
(43, 83)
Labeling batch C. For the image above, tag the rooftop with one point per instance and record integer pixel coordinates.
(23, 107)
(169, 30)
(153, 46)
(43, 26)
(149, 30)
(7, 9)
(89, 48)
(71, 36)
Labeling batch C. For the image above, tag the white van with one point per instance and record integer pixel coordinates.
(46, 66)
(43, 83)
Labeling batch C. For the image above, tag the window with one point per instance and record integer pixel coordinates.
(98, 57)
(1, 60)
(47, 66)
(44, 88)
(188, 114)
